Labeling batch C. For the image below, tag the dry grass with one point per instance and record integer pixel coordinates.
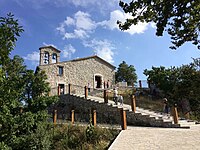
(144, 101)
(83, 137)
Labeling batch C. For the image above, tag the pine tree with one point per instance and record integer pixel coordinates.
(126, 73)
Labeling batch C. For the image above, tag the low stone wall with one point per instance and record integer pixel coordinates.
(82, 108)
(105, 113)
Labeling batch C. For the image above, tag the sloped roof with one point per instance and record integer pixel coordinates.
(94, 56)
(51, 47)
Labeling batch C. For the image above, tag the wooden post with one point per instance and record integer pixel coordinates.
(123, 119)
(133, 103)
(140, 83)
(86, 92)
(72, 116)
(94, 118)
(69, 88)
(105, 95)
(54, 116)
(175, 114)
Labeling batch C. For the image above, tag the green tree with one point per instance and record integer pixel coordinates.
(9, 31)
(180, 18)
(178, 83)
(21, 89)
(126, 73)
(163, 78)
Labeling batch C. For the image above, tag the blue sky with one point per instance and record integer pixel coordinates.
(81, 28)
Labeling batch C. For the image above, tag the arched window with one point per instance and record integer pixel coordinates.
(54, 58)
(46, 58)
(98, 81)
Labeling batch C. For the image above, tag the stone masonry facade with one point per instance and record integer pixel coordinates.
(92, 71)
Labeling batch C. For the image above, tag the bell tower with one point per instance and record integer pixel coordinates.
(49, 55)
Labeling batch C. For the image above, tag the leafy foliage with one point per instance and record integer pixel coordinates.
(163, 78)
(178, 83)
(19, 91)
(180, 18)
(90, 133)
(24, 101)
(9, 31)
(126, 73)
(23, 96)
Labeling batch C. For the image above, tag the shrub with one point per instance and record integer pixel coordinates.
(81, 137)
(40, 139)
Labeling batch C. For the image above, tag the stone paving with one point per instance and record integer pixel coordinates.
(149, 138)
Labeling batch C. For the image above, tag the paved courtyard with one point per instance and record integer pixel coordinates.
(148, 138)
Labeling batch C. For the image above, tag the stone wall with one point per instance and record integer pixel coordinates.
(78, 72)
(82, 107)
(50, 50)
(106, 113)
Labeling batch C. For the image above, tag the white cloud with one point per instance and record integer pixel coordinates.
(83, 21)
(68, 51)
(80, 34)
(34, 57)
(153, 25)
(119, 15)
(102, 48)
(61, 29)
(40, 4)
(69, 21)
(82, 25)
(100, 4)
(82, 3)
(36, 4)
(106, 53)
(69, 35)
(45, 44)
(112, 22)
(139, 28)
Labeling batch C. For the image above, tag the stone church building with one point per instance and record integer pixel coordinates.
(92, 71)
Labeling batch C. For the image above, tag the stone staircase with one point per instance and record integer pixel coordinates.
(144, 117)
(110, 111)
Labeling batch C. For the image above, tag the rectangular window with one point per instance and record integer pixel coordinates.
(61, 89)
(60, 70)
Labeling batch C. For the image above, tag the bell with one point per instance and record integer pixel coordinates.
(45, 61)
(46, 55)
(54, 56)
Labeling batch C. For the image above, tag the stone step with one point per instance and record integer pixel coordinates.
(155, 118)
(186, 123)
